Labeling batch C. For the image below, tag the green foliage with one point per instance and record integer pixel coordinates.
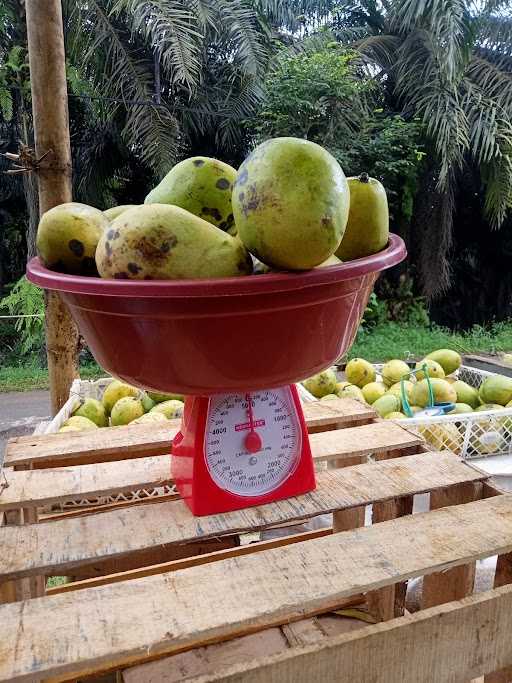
(402, 302)
(27, 301)
(317, 96)
(5, 103)
(389, 148)
(33, 375)
(376, 313)
(396, 303)
(390, 340)
(11, 69)
(209, 57)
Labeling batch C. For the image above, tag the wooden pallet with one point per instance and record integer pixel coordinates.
(156, 595)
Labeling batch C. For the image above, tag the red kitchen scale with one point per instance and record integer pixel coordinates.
(235, 347)
(242, 449)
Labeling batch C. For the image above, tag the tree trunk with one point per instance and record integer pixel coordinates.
(51, 132)
(30, 192)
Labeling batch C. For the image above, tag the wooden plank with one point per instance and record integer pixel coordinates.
(99, 445)
(215, 658)
(191, 561)
(8, 588)
(352, 518)
(378, 437)
(115, 625)
(456, 583)
(36, 488)
(135, 441)
(60, 546)
(336, 412)
(389, 602)
(451, 643)
(44, 487)
(207, 660)
(150, 557)
(503, 577)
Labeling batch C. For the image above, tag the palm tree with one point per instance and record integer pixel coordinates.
(172, 69)
(448, 62)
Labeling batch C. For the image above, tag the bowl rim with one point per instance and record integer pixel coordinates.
(267, 283)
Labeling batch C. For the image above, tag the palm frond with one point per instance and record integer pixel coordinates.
(154, 133)
(497, 177)
(294, 15)
(348, 35)
(203, 11)
(491, 6)
(220, 106)
(103, 49)
(495, 33)
(381, 50)
(172, 31)
(124, 72)
(243, 32)
(483, 126)
(449, 24)
(495, 83)
(422, 90)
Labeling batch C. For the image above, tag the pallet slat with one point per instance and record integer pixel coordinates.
(39, 487)
(134, 441)
(62, 545)
(378, 437)
(36, 488)
(418, 647)
(100, 627)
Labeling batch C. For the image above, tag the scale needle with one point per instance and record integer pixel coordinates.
(252, 441)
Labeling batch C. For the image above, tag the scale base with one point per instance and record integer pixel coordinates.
(192, 477)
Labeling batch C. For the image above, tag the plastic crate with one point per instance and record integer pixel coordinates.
(469, 435)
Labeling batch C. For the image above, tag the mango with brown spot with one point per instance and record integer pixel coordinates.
(165, 242)
(67, 237)
(202, 186)
(291, 203)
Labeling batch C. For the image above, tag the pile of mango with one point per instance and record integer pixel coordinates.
(288, 207)
(383, 390)
(122, 404)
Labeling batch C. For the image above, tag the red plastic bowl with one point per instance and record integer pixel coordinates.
(233, 334)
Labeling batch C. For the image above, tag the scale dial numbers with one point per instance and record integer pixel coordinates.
(230, 464)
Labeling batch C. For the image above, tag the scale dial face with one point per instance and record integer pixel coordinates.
(246, 472)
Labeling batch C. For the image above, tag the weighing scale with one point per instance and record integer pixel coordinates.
(242, 449)
(235, 347)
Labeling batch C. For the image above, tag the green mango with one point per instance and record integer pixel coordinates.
(202, 186)
(290, 203)
(93, 410)
(67, 237)
(367, 229)
(163, 242)
(160, 398)
(448, 359)
(496, 389)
